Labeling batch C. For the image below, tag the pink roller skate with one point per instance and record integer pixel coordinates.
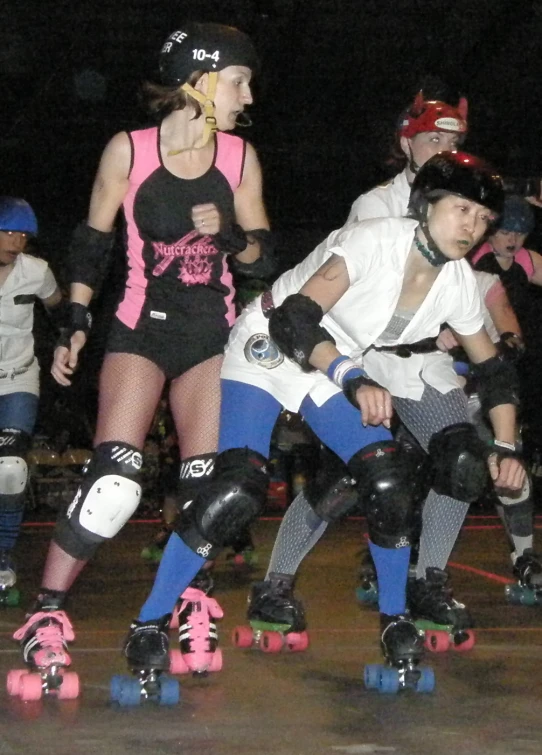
(198, 638)
(44, 640)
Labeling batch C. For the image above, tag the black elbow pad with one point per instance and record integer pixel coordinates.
(295, 328)
(498, 382)
(265, 266)
(89, 255)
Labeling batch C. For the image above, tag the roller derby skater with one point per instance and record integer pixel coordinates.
(397, 277)
(276, 618)
(22, 278)
(43, 639)
(183, 246)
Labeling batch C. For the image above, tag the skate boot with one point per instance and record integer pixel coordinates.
(152, 553)
(9, 594)
(203, 582)
(367, 591)
(196, 612)
(244, 556)
(527, 570)
(146, 650)
(44, 639)
(446, 622)
(276, 617)
(402, 647)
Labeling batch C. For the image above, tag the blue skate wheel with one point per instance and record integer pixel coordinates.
(115, 686)
(129, 692)
(170, 691)
(389, 681)
(371, 675)
(426, 682)
(514, 594)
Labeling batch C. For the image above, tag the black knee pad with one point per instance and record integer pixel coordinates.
(331, 492)
(14, 445)
(387, 481)
(231, 500)
(458, 461)
(106, 499)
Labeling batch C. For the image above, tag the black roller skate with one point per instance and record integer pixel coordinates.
(367, 590)
(9, 594)
(445, 622)
(276, 617)
(243, 556)
(402, 646)
(194, 617)
(147, 651)
(527, 570)
(153, 552)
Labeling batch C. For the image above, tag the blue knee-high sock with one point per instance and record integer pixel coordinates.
(178, 567)
(10, 524)
(392, 573)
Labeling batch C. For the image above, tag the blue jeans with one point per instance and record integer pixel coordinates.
(18, 411)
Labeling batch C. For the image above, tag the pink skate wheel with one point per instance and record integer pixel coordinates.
(242, 637)
(216, 660)
(437, 641)
(465, 644)
(13, 680)
(177, 664)
(297, 642)
(30, 687)
(271, 642)
(70, 687)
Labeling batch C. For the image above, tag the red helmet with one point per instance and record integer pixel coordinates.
(433, 115)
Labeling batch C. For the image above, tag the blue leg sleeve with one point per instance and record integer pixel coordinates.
(247, 417)
(392, 572)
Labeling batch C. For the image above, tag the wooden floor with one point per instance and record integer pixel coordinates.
(486, 702)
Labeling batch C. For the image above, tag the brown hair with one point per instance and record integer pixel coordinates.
(162, 100)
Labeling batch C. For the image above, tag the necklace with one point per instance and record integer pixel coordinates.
(435, 258)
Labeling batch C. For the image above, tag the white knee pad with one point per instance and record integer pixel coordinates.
(107, 506)
(13, 475)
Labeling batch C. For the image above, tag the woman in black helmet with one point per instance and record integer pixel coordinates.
(332, 340)
(192, 200)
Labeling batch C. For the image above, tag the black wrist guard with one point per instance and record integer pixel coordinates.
(89, 255)
(511, 346)
(295, 328)
(265, 266)
(351, 385)
(231, 240)
(497, 382)
(504, 450)
(78, 318)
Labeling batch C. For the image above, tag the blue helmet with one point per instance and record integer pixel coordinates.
(17, 215)
(517, 215)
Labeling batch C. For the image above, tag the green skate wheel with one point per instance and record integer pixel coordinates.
(13, 597)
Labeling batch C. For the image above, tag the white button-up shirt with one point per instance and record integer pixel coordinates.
(30, 278)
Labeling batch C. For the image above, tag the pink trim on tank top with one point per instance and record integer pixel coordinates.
(229, 159)
(522, 257)
(145, 160)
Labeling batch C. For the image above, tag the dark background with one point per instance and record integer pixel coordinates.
(335, 76)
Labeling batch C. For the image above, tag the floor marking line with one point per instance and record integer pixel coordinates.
(482, 573)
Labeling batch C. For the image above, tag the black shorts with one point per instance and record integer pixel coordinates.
(174, 355)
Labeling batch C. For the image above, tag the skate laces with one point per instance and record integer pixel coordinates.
(48, 627)
(200, 600)
(197, 630)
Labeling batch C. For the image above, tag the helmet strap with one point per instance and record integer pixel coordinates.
(207, 102)
(431, 252)
(412, 164)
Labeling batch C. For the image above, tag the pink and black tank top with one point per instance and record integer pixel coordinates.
(176, 276)
(515, 280)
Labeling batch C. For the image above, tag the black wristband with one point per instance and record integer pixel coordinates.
(351, 386)
(79, 318)
(232, 240)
